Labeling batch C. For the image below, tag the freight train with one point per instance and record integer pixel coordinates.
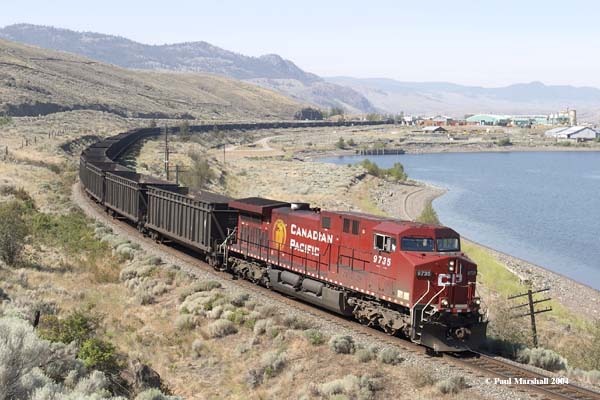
(406, 278)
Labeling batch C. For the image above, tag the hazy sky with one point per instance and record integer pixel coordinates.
(489, 43)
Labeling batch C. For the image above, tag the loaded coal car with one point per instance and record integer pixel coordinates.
(126, 194)
(198, 220)
(403, 277)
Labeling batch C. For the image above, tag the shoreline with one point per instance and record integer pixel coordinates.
(314, 155)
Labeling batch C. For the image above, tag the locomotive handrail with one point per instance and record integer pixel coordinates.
(421, 298)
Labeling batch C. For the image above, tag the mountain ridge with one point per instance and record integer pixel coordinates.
(269, 70)
(454, 99)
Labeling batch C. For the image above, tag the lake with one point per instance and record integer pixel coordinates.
(543, 207)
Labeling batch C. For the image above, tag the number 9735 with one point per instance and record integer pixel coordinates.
(381, 260)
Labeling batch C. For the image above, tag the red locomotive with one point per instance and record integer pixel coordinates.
(404, 277)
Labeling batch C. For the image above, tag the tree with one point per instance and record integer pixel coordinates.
(341, 143)
(184, 131)
(101, 355)
(397, 172)
(336, 111)
(13, 232)
(351, 142)
(200, 173)
(309, 113)
(428, 216)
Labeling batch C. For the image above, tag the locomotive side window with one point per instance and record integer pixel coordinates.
(355, 227)
(384, 243)
(416, 244)
(326, 222)
(346, 225)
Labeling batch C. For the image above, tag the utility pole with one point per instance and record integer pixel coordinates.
(166, 151)
(532, 311)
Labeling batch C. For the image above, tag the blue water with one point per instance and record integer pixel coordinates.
(541, 207)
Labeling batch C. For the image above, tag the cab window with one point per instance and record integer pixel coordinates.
(416, 244)
(448, 244)
(384, 243)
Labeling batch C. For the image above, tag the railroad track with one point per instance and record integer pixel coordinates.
(547, 387)
(477, 364)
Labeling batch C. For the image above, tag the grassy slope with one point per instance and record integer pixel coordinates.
(30, 74)
(497, 278)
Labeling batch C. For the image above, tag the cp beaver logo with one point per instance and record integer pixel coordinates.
(279, 234)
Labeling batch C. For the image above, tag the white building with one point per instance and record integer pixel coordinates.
(579, 133)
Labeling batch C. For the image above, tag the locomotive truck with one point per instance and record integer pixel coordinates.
(406, 278)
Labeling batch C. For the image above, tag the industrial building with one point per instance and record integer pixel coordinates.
(568, 117)
(489, 119)
(578, 133)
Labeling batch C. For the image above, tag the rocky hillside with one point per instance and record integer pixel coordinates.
(457, 100)
(35, 81)
(270, 70)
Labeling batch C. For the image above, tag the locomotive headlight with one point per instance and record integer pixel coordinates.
(451, 266)
(445, 303)
(477, 301)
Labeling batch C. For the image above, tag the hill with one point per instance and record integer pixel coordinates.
(457, 100)
(269, 70)
(35, 81)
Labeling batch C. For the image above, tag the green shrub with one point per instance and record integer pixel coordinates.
(293, 322)
(13, 232)
(237, 316)
(389, 355)
(452, 385)
(185, 322)
(221, 328)
(271, 365)
(421, 378)
(542, 358)
(341, 143)
(155, 394)
(341, 344)
(101, 355)
(314, 336)
(504, 142)
(364, 355)
(203, 286)
(395, 173)
(197, 347)
(262, 325)
(428, 216)
(240, 299)
(5, 120)
(78, 327)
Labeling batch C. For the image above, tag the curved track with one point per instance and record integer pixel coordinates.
(477, 364)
